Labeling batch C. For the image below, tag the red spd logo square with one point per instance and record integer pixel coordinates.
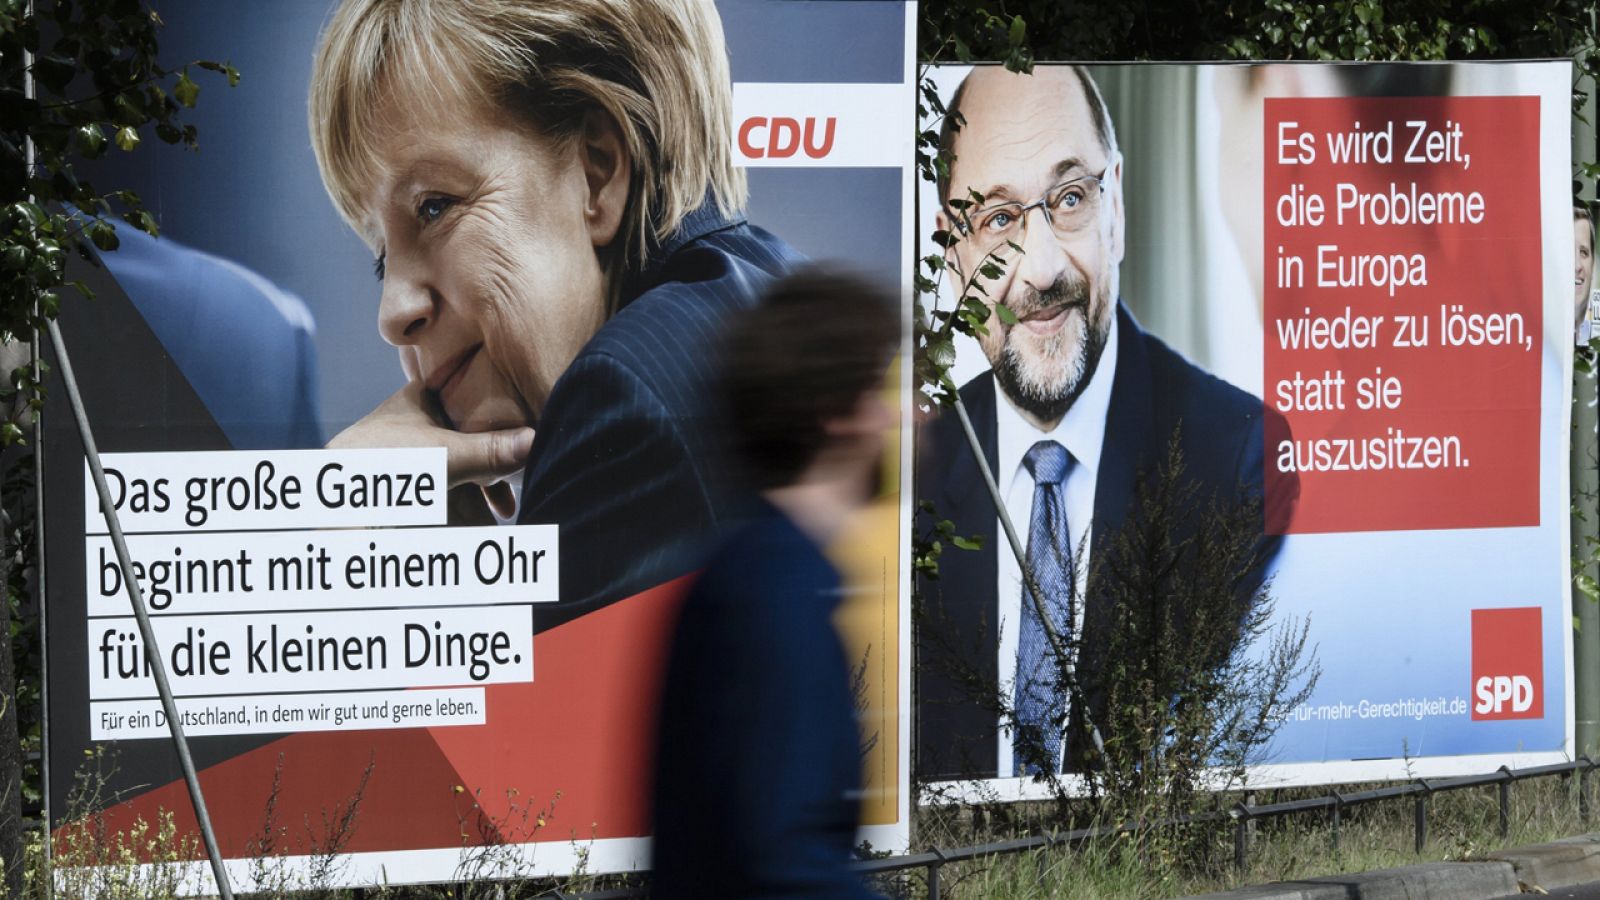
(1507, 664)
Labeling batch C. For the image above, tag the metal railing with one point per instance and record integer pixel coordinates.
(1243, 815)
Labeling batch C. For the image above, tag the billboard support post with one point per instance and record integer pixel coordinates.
(1585, 492)
(1585, 527)
(1422, 818)
(135, 597)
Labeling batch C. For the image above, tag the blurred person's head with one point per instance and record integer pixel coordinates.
(803, 381)
(511, 163)
(1583, 259)
(1040, 153)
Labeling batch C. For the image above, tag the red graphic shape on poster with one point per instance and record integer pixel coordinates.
(1403, 311)
(584, 728)
(1507, 664)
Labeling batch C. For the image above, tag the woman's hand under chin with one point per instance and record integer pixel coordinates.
(407, 419)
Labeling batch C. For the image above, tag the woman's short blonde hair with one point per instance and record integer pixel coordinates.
(658, 67)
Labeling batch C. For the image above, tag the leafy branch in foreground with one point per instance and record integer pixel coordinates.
(934, 346)
(77, 78)
(95, 84)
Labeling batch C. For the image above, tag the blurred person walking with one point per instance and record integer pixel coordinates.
(758, 774)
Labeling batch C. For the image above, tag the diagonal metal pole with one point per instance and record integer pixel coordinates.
(1057, 645)
(136, 597)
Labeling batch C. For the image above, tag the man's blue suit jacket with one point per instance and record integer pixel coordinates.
(1154, 391)
(627, 459)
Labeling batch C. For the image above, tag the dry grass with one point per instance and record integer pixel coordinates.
(1462, 825)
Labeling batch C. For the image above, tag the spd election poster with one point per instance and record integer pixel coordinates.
(1345, 294)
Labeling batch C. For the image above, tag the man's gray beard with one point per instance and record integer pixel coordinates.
(1042, 401)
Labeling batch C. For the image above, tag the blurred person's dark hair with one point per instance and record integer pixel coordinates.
(818, 340)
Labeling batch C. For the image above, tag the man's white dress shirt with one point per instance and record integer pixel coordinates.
(1082, 431)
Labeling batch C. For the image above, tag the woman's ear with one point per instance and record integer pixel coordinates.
(607, 170)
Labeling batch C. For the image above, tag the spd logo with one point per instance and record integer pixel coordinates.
(1507, 664)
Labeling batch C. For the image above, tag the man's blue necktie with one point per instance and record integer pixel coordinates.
(1040, 696)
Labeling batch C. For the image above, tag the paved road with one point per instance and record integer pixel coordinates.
(1578, 892)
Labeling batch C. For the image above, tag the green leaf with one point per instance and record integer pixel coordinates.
(143, 221)
(973, 543)
(127, 138)
(1019, 31)
(1588, 585)
(186, 91)
(30, 212)
(54, 72)
(104, 235)
(1006, 315)
(92, 140)
(224, 68)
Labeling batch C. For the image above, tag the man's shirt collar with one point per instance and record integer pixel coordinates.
(1082, 430)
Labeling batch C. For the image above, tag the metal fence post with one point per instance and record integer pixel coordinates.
(1422, 816)
(1505, 802)
(1583, 788)
(1241, 836)
(933, 874)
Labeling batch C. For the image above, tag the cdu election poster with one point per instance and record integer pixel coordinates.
(407, 418)
(1340, 296)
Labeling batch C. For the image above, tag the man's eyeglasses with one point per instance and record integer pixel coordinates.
(1070, 208)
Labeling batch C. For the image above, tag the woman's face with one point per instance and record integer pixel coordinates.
(486, 240)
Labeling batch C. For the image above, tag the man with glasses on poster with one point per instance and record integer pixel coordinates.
(1078, 406)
